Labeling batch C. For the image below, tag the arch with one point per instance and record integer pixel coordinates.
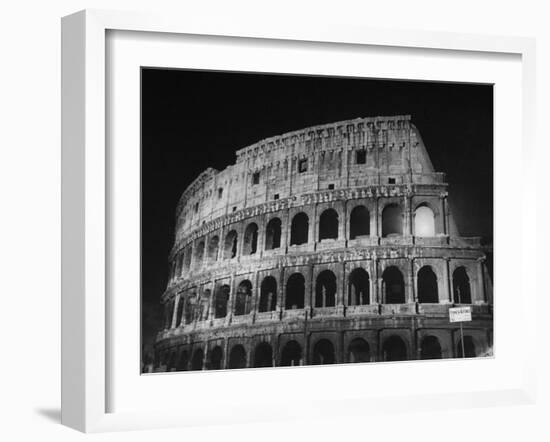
(427, 286)
(299, 229)
(250, 239)
(190, 307)
(221, 299)
(394, 349)
(392, 221)
(291, 354)
(461, 286)
(359, 351)
(328, 225)
(263, 355)
(179, 314)
(430, 348)
(183, 361)
(237, 357)
(359, 222)
(393, 286)
(199, 255)
(323, 352)
(213, 246)
(230, 245)
(469, 347)
(359, 287)
(243, 298)
(273, 234)
(187, 259)
(295, 291)
(325, 289)
(216, 358)
(424, 221)
(197, 360)
(171, 362)
(268, 294)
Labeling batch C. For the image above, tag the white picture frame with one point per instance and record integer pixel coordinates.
(86, 202)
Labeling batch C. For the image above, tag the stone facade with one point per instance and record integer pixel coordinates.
(330, 244)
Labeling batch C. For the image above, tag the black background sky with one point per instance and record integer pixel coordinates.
(192, 120)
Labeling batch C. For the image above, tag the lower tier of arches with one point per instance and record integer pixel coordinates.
(295, 347)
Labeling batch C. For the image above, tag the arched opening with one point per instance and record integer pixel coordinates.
(263, 355)
(183, 361)
(237, 357)
(325, 289)
(190, 308)
(291, 354)
(394, 349)
(359, 351)
(393, 286)
(328, 225)
(171, 362)
(250, 239)
(461, 286)
(295, 290)
(424, 221)
(359, 222)
(427, 286)
(179, 314)
(230, 246)
(268, 294)
(323, 352)
(187, 259)
(216, 356)
(199, 254)
(221, 299)
(469, 348)
(299, 229)
(359, 287)
(168, 313)
(273, 234)
(179, 265)
(392, 221)
(243, 298)
(197, 360)
(430, 348)
(213, 248)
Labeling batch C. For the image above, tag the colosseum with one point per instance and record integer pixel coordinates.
(330, 244)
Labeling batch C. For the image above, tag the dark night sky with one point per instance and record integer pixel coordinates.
(192, 120)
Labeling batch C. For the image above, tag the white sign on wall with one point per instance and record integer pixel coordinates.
(460, 314)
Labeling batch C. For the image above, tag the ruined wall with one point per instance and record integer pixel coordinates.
(330, 212)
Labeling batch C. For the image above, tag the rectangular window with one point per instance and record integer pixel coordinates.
(391, 180)
(276, 196)
(361, 157)
(235, 209)
(256, 178)
(220, 192)
(196, 207)
(330, 186)
(302, 165)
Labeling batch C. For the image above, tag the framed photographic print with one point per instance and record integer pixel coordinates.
(272, 210)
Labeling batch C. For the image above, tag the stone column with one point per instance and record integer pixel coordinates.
(480, 292)
(313, 228)
(255, 297)
(308, 290)
(212, 302)
(407, 225)
(447, 296)
(442, 227)
(373, 281)
(280, 289)
(260, 245)
(285, 230)
(342, 222)
(411, 295)
(175, 312)
(230, 302)
(342, 290)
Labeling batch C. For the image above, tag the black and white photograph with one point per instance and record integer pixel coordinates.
(295, 220)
